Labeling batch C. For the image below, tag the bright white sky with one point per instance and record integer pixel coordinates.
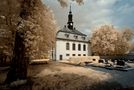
(94, 13)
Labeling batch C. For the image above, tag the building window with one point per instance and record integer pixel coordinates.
(84, 54)
(73, 54)
(84, 47)
(83, 38)
(79, 54)
(67, 46)
(79, 47)
(67, 35)
(94, 59)
(67, 54)
(75, 36)
(73, 46)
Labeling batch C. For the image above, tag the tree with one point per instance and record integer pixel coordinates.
(128, 34)
(64, 3)
(132, 48)
(106, 40)
(7, 26)
(32, 28)
(33, 32)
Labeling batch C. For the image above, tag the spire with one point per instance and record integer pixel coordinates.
(70, 19)
(70, 9)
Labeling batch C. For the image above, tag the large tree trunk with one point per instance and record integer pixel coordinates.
(18, 68)
(19, 62)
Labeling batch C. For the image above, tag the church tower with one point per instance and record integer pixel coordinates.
(67, 40)
(70, 19)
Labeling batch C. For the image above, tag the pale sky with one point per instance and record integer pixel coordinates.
(94, 13)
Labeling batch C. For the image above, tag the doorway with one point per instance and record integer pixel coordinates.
(61, 57)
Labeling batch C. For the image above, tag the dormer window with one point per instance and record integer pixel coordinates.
(83, 38)
(75, 36)
(67, 35)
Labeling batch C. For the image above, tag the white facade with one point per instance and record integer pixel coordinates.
(81, 45)
(71, 42)
(62, 53)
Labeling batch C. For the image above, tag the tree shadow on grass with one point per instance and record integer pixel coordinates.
(67, 81)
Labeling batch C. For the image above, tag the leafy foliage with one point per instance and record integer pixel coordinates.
(34, 20)
(106, 40)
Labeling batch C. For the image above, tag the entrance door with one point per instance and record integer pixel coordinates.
(61, 57)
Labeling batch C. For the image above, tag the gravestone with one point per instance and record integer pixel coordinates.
(121, 62)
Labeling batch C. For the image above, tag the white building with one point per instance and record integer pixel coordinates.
(70, 42)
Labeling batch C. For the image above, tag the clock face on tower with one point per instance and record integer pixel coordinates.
(71, 24)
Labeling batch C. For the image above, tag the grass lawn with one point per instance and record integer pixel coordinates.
(59, 76)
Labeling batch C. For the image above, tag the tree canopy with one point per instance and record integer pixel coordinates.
(107, 40)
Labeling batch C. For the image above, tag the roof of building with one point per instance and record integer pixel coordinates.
(74, 31)
(70, 28)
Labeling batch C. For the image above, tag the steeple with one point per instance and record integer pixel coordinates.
(70, 10)
(70, 19)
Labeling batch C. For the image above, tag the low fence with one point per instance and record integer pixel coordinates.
(85, 59)
(39, 61)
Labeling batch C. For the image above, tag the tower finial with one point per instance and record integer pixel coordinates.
(70, 9)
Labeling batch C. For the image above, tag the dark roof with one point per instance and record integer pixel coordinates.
(74, 31)
(85, 41)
